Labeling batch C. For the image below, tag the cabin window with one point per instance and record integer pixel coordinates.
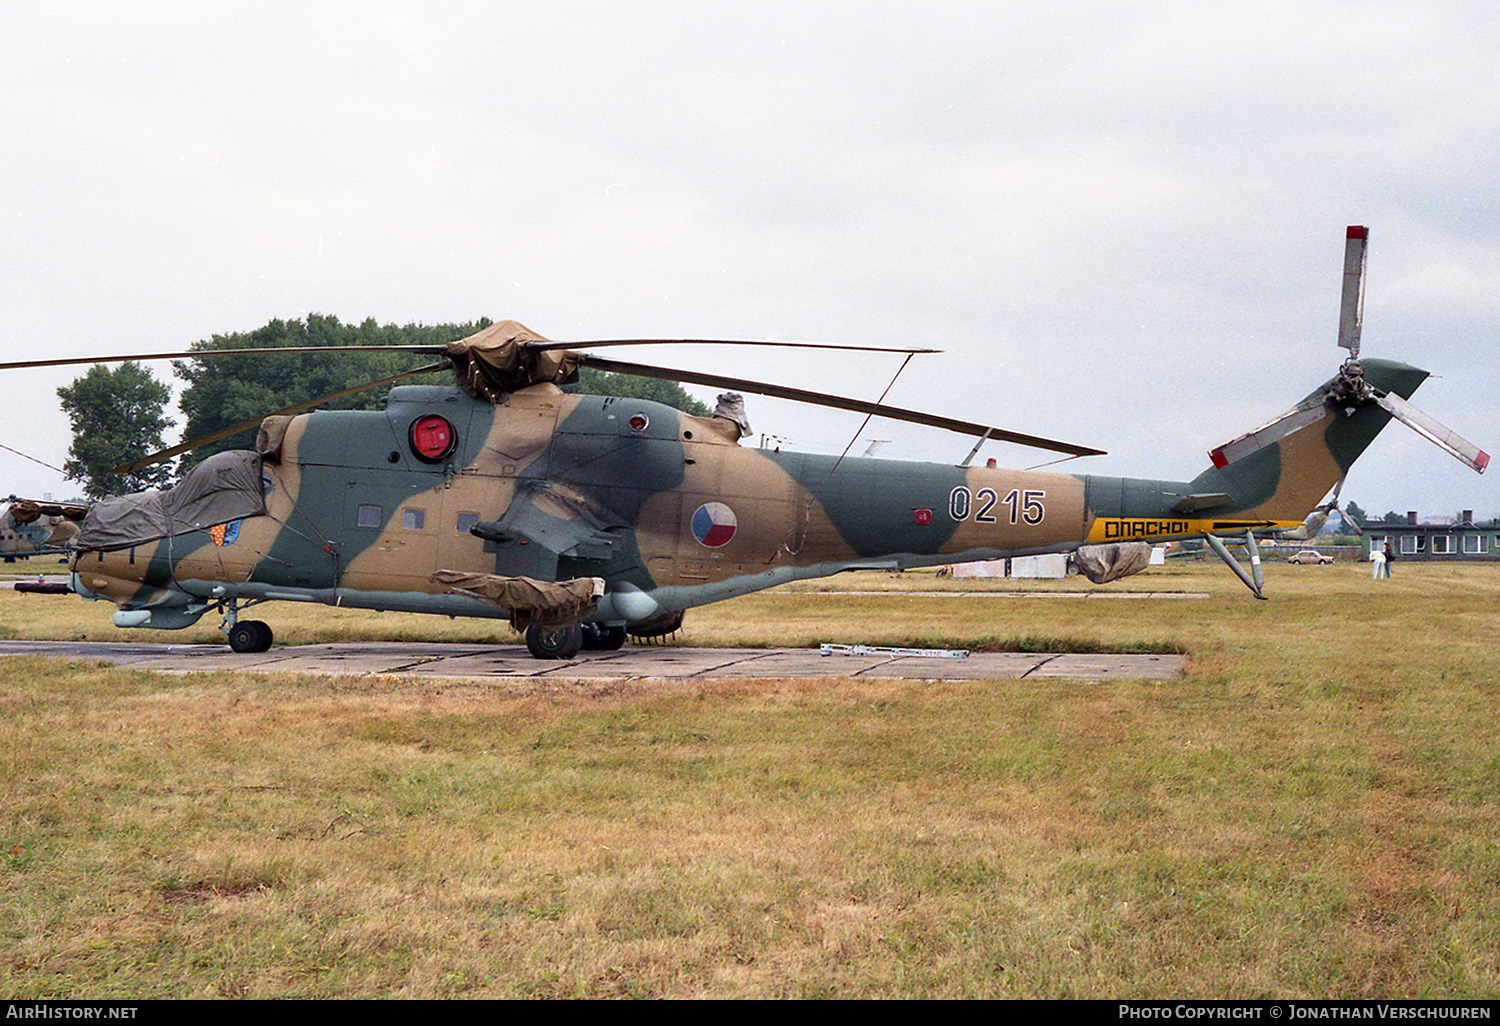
(1442, 545)
(413, 519)
(369, 516)
(1474, 544)
(466, 522)
(1409, 544)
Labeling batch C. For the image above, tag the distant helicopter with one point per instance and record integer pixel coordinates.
(37, 535)
(582, 519)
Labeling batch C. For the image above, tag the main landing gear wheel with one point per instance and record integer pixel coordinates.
(250, 636)
(554, 643)
(603, 639)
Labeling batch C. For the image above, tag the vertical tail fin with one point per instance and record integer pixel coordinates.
(1284, 468)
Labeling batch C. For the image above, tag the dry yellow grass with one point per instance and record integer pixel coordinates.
(1311, 812)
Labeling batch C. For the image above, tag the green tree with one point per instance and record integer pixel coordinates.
(227, 390)
(117, 416)
(1355, 514)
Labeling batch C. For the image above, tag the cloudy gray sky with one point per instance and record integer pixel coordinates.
(1122, 222)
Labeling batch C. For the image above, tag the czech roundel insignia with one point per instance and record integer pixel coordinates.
(714, 524)
(225, 534)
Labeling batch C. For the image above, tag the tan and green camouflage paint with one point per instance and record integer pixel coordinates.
(642, 470)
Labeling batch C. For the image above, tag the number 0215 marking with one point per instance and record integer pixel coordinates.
(1027, 507)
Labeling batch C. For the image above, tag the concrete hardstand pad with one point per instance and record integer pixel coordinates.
(475, 662)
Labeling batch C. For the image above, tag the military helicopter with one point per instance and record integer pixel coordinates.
(582, 519)
(36, 535)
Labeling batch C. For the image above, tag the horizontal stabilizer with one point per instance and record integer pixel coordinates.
(1201, 500)
(1444, 438)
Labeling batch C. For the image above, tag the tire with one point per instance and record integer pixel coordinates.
(557, 643)
(250, 636)
(599, 638)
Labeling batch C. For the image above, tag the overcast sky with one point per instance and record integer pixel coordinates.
(1123, 223)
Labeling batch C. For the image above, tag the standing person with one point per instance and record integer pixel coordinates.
(1390, 557)
(1377, 564)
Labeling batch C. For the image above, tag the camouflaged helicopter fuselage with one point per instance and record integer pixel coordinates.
(665, 507)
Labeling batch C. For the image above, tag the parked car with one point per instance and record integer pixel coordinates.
(1309, 556)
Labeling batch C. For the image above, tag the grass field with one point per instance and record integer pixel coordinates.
(1313, 811)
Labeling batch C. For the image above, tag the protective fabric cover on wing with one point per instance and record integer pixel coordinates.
(492, 363)
(1104, 563)
(224, 487)
(529, 601)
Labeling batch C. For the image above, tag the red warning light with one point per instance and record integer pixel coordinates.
(432, 438)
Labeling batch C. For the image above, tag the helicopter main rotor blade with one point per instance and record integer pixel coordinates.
(1444, 438)
(603, 342)
(962, 427)
(245, 425)
(429, 350)
(193, 354)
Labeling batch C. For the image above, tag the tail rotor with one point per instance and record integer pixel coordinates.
(1351, 388)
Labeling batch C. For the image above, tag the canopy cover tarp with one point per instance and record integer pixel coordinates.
(224, 487)
(529, 601)
(496, 361)
(1104, 563)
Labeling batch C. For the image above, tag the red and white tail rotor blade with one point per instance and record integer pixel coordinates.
(1444, 438)
(1352, 309)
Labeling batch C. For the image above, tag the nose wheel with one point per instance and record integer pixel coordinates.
(250, 636)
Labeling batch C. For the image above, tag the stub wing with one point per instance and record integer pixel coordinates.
(559, 519)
